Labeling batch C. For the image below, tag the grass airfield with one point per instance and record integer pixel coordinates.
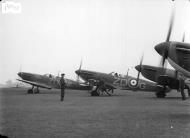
(126, 114)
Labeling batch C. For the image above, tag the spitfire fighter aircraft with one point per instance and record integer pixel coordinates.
(104, 83)
(178, 55)
(48, 81)
(163, 77)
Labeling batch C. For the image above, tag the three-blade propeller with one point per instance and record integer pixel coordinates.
(165, 48)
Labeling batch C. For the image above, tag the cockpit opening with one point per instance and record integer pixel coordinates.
(49, 75)
(115, 74)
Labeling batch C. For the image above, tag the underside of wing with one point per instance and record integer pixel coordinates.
(183, 57)
(169, 81)
(110, 86)
(35, 84)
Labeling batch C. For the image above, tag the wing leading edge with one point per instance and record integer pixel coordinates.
(35, 84)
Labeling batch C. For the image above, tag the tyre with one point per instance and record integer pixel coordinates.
(160, 95)
(30, 91)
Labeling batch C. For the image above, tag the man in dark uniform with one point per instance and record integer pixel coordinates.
(62, 85)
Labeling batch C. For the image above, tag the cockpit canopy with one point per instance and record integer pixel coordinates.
(49, 75)
(115, 74)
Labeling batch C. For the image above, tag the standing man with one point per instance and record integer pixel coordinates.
(62, 85)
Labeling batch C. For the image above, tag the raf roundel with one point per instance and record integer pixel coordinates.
(133, 82)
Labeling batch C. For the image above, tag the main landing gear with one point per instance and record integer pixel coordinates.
(161, 92)
(188, 89)
(181, 89)
(99, 91)
(33, 90)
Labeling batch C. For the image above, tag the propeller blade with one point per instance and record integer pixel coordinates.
(165, 46)
(80, 65)
(164, 59)
(58, 73)
(183, 39)
(170, 25)
(163, 65)
(79, 70)
(127, 72)
(138, 77)
(140, 64)
(163, 49)
(142, 59)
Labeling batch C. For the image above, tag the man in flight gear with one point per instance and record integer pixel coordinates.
(62, 85)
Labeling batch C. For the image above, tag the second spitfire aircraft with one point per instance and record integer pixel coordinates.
(163, 77)
(48, 81)
(104, 83)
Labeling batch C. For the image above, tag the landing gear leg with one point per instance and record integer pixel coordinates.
(183, 94)
(108, 92)
(182, 83)
(188, 90)
(160, 94)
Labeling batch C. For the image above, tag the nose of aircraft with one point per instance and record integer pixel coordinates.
(20, 74)
(137, 67)
(77, 72)
(162, 48)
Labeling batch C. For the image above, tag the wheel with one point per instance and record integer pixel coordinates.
(99, 91)
(30, 91)
(109, 92)
(160, 95)
(94, 93)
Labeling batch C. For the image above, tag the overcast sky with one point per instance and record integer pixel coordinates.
(109, 35)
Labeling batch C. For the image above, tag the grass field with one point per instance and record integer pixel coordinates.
(126, 114)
